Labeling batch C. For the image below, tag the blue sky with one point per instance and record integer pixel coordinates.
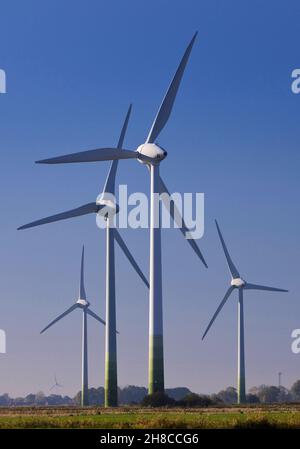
(72, 69)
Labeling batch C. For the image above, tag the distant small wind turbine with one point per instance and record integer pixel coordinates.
(238, 283)
(56, 384)
(82, 304)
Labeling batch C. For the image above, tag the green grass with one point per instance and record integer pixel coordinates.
(134, 418)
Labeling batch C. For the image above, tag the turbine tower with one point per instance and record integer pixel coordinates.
(82, 304)
(150, 154)
(238, 283)
(105, 206)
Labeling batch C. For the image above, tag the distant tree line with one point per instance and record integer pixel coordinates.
(180, 397)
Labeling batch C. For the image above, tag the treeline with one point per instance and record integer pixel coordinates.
(181, 397)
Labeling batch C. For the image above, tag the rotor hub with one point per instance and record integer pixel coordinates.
(107, 205)
(82, 302)
(238, 282)
(154, 153)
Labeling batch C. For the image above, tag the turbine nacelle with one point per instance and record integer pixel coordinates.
(82, 302)
(108, 206)
(238, 282)
(153, 152)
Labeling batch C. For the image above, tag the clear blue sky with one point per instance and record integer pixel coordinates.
(72, 69)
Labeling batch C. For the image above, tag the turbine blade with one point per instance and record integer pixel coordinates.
(82, 294)
(130, 257)
(233, 270)
(100, 154)
(82, 210)
(263, 287)
(109, 186)
(95, 316)
(166, 106)
(228, 293)
(124, 129)
(176, 216)
(69, 310)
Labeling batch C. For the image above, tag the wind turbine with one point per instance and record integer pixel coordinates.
(106, 207)
(84, 305)
(151, 154)
(56, 384)
(237, 282)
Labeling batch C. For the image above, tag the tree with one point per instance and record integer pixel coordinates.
(132, 394)
(295, 390)
(216, 400)
(95, 395)
(30, 399)
(229, 396)
(157, 400)
(57, 399)
(19, 401)
(40, 398)
(252, 399)
(5, 400)
(268, 394)
(195, 400)
(178, 393)
(284, 395)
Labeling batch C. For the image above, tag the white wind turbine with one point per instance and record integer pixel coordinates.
(56, 384)
(106, 206)
(151, 154)
(238, 283)
(84, 305)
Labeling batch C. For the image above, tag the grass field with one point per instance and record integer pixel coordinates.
(283, 416)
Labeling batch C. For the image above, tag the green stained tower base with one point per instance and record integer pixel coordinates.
(111, 389)
(241, 391)
(156, 365)
(84, 398)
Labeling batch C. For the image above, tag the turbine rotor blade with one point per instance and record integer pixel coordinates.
(176, 216)
(69, 310)
(130, 257)
(263, 287)
(124, 128)
(82, 294)
(232, 268)
(91, 313)
(166, 106)
(82, 210)
(228, 293)
(100, 154)
(109, 186)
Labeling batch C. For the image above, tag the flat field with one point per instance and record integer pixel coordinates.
(279, 416)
